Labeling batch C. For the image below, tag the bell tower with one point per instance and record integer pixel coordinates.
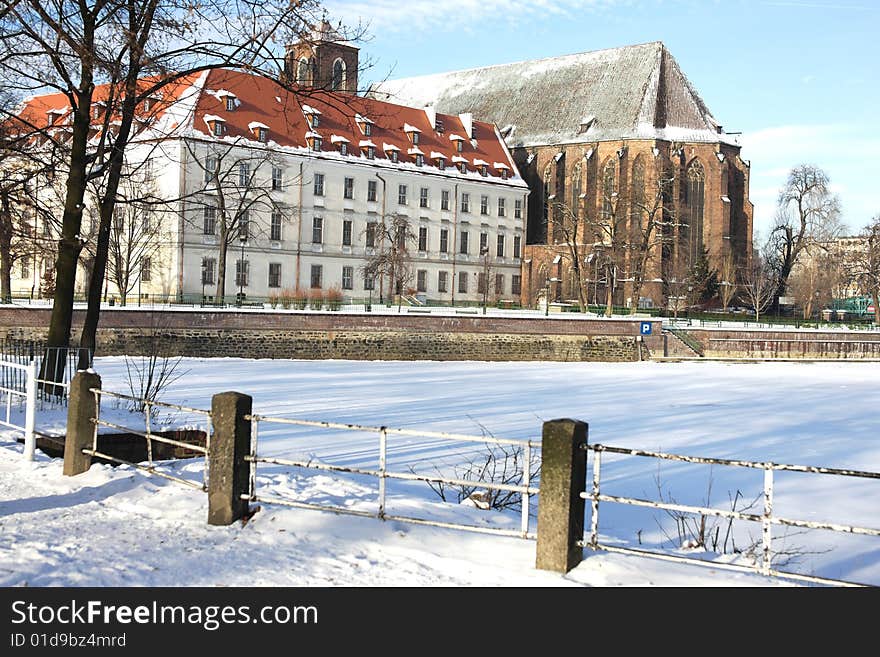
(323, 59)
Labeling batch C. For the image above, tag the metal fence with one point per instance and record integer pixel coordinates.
(382, 473)
(19, 387)
(55, 367)
(766, 518)
(150, 436)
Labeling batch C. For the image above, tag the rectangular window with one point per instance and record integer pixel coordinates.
(371, 234)
(209, 267)
(277, 178)
(517, 208)
(423, 238)
(501, 208)
(444, 240)
(368, 281)
(371, 190)
(319, 184)
(274, 274)
(463, 243)
(516, 284)
(462, 282)
(401, 194)
(423, 197)
(346, 233)
(146, 270)
(442, 281)
(348, 188)
(25, 267)
(241, 273)
(422, 280)
(317, 230)
(499, 248)
(210, 224)
(484, 204)
(517, 245)
(484, 243)
(275, 227)
(317, 273)
(244, 225)
(444, 199)
(348, 278)
(244, 174)
(499, 283)
(465, 202)
(210, 168)
(481, 283)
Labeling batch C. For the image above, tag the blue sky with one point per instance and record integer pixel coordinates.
(798, 78)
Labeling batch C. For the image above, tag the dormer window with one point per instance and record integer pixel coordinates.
(504, 174)
(342, 142)
(368, 148)
(364, 124)
(228, 99)
(343, 148)
(215, 123)
(218, 129)
(420, 160)
(463, 167)
(394, 156)
(313, 116)
(147, 104)
(371, 152)
(440, 159)
(459, 145)
(314, 140)
(260, 130)
(484, 170)
(230, 103)
(412, 132)
(474, 131)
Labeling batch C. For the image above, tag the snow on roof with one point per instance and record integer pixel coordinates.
(311, 134)
(435, 155)
(415, 151)
(366, 143)
(308, 109)
(455, 137)
(480, 163)
(633, 92)
(360, 118)
(410, 128)
(459, 158)
(210, 118)
(500, 165)
(253, 125)
(389, 147)
(223, 92)
(335, 139)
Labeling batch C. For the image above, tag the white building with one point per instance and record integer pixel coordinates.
(309, 179)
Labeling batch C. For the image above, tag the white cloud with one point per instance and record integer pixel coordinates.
(422, 15)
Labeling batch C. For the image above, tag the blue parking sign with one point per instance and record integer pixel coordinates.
(645, 328)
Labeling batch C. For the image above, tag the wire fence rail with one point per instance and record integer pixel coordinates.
(766, 518)
(382, 473)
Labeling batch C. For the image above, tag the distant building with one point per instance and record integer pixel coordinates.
(595, 132)
(307, 180)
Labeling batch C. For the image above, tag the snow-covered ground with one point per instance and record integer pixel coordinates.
(116, 526)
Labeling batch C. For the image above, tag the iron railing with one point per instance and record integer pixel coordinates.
(766, 518)
(382, 473)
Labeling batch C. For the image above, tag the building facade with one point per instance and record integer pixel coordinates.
(268, 190)
(610, 142)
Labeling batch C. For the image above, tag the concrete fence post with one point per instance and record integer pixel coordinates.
(228, 472)
(560, 505)
(82, 409)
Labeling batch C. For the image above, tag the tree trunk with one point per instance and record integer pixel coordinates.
(609, 295)
(876, 297)
(5, 250)
(220, 297)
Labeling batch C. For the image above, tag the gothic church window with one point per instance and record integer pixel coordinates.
(302, 71)
(338, 81)
(696, 185)
(609, 192)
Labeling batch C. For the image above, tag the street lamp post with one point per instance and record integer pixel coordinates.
(242, 238)
(204, 276)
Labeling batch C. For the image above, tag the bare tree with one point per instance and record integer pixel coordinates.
(238, 189)
(808, 213)
(728, 285)
(812, 282)
(866, 264)
(759, 283)
(391, 257)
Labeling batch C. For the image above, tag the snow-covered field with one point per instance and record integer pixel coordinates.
(115, 526)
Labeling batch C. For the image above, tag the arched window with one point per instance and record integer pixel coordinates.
(302, 71)
(609, 191)
(576, 190)
(637, 191)
(548, 191)
(338, 81)
(696, 186)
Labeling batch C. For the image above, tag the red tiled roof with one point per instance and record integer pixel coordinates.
(263, 101)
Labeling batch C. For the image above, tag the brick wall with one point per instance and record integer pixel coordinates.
(788, 344)
(347, 336)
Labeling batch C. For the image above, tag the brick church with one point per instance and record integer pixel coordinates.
(612, 138)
